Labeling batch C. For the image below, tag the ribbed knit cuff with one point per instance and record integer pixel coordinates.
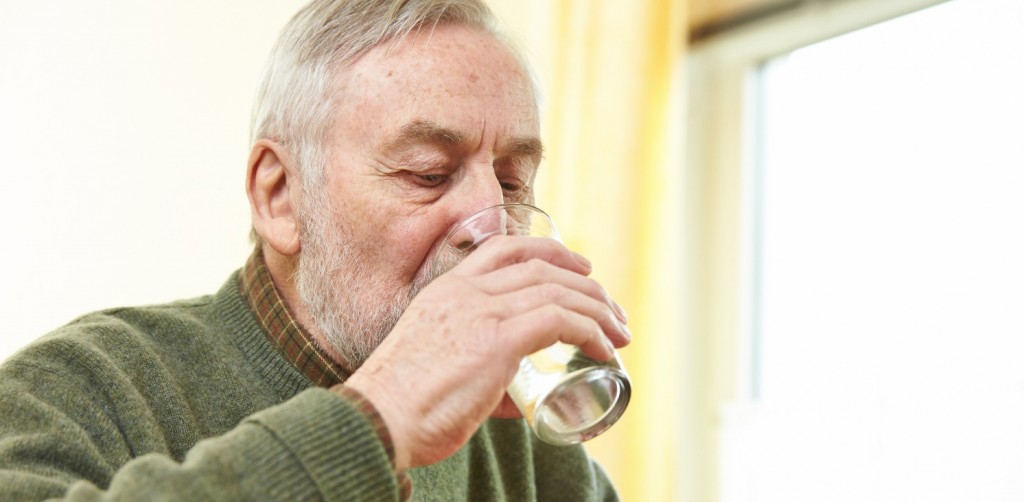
(377, 422)
(332, 443)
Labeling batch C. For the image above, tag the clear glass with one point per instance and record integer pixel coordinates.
(565, 396)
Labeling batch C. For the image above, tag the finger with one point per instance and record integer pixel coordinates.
(504, 250)
(536, 329)
(534, 272)
(536, 296)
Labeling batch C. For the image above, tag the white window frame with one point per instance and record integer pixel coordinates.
(719, 219)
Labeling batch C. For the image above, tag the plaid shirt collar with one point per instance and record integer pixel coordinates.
(281, 328)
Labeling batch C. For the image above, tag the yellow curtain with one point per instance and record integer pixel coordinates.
(612, 178)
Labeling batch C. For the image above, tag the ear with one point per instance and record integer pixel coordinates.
(267, 183)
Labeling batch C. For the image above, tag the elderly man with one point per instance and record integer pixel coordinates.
(333, 366)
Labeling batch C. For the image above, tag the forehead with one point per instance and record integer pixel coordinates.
(451, 75)
(453, 46)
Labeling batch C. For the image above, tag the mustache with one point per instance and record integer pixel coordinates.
(437, 266)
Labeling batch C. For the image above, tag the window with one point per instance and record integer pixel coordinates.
(882, 279)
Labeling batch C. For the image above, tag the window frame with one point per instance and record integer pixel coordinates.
(721, 178)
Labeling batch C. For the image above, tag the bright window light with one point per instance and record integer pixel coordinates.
(888, 333)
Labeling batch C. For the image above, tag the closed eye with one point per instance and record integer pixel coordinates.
(431, 180)
(516, 191)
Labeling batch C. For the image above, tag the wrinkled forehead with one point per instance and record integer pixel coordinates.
(459, 78)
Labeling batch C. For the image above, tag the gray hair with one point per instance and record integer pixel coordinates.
(295, 102)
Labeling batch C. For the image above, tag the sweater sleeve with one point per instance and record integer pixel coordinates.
(56, 437)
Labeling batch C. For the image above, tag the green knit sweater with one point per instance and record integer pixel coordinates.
(189, 401)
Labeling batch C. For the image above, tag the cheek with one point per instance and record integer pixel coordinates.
(410, 246)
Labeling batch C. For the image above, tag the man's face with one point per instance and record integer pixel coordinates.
(429, 132)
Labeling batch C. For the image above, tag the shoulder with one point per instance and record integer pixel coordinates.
(118, 336)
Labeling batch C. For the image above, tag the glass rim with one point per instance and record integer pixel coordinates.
(479, 214)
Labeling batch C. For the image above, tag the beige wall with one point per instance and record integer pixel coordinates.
(124, 134)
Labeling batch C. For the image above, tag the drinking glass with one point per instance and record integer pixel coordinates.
(565, 396)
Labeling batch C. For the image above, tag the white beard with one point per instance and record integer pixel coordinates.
(336, 287)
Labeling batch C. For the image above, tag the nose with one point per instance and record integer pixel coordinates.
(472, 225)
(481, 190)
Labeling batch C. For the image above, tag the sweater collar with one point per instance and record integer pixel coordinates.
(286, 335)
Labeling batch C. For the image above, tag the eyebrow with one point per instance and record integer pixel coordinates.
(423, 131)
(419, 132)
(526, 146)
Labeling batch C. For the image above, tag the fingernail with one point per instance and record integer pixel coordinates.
(620, 311)
(608, 345)
(582, 260)
(625, 331)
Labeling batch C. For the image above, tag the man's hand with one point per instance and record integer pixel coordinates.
(444, 368)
